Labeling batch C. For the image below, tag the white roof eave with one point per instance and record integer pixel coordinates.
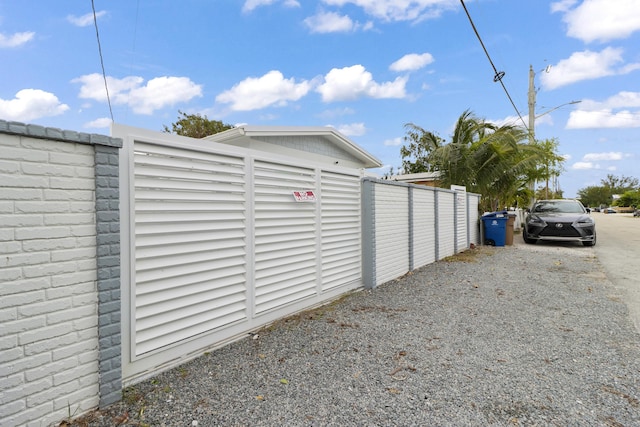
(330, 133)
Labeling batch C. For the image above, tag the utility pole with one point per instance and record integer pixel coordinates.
(532, 124)
(532, 106)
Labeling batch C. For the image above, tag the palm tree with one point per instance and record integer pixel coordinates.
(551, 166)
(493, 161)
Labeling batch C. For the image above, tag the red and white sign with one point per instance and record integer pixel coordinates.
(304, 196)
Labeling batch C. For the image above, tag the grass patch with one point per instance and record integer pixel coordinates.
(469, 255)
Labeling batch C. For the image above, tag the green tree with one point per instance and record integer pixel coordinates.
(496, 162)
(603, 194)
(544, 192)
(196, 126)
(629, 198)
(595, 195)
(619, 185)
(549, 169)
(420, 143)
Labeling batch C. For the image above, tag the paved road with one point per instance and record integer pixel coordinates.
(618, 250)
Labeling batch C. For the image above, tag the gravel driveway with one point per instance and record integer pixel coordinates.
(515, 336)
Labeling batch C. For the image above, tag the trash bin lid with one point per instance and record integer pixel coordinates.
(499, 214)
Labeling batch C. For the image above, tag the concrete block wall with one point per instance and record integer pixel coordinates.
(50, 250)
(108, 269)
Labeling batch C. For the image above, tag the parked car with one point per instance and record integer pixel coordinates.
(610, 210)
(559, 220)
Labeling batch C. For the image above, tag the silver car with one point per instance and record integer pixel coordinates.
(559, 220)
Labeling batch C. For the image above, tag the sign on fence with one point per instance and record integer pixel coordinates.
(304, 196)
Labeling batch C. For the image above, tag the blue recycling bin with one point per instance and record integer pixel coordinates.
(495, 228)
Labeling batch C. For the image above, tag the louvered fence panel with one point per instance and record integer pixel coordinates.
(285, 236)
(391, 231)
(461, 221)
(424, 227)
(473, 200)
(341, 235)
(190, 255)
(446, 225)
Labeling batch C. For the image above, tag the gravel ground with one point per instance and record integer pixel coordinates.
(516, 336)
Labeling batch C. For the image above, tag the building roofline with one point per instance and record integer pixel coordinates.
(411, 177)
(330, 133)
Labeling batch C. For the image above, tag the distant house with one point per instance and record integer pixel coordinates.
(430, 179)
(319, 144)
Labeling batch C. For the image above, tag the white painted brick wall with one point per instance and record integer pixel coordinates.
(48, 295)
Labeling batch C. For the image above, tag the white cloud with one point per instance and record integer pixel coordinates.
(603, 156)
(514, 121)
(394, 142)
(85, 20)
(600, 20)
(589, 159)
(586, 65)
(250, 5)
(16, 39)
(161, 92)
(353, 129)
(103, 122)
(338, 112)
(507, 121)
(523, 121)
(546, 119)
(618, 111)
(332, 22)
(562, 5)
(412, 62)
(368, 26)
(158, 93)
(400, 10)
(350, 83)
(605, 118)
(584, 165)
(623, 99)
(272, 89)
(31, 104)
(92, 87)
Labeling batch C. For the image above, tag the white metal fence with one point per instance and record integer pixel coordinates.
(407, 226)
(208, 244)
(216, 245)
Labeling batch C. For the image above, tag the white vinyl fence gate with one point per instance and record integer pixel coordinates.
(214, 244)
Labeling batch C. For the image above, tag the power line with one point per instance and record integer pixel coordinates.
(133, 50)
(497, 77)
(104, 75)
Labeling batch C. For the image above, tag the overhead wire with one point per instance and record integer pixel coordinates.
(499, 75)
(104, 74)
(133, 50)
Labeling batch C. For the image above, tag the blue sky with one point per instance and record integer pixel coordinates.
(365, 67)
